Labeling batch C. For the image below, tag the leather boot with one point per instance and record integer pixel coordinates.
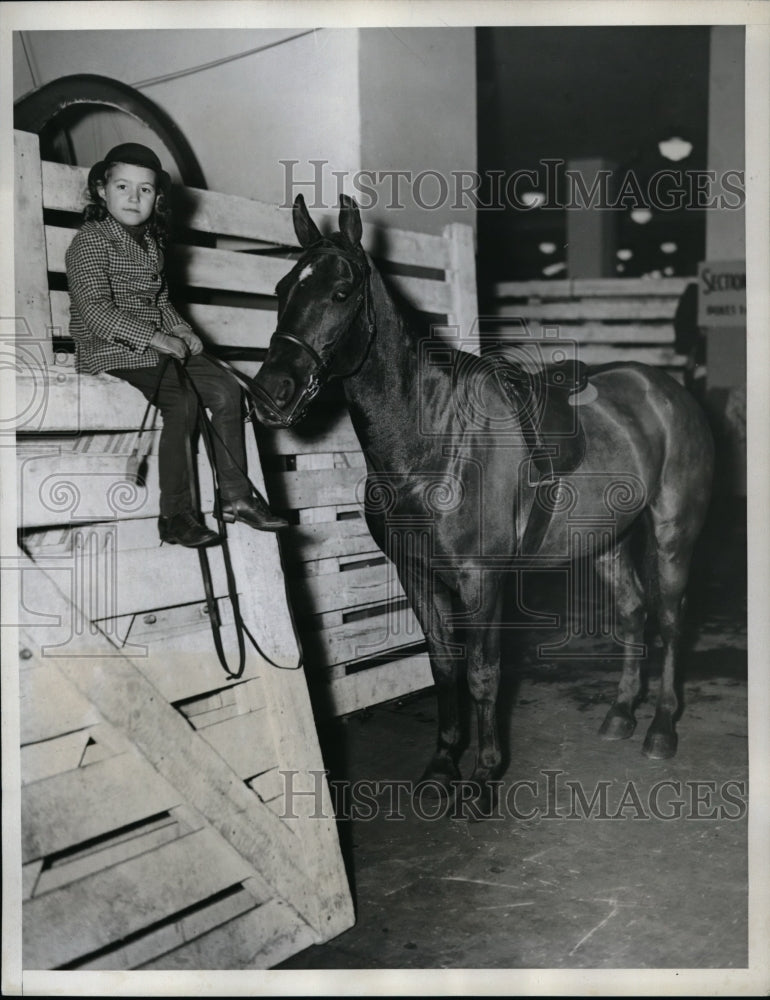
(253, 511)
(185, 529)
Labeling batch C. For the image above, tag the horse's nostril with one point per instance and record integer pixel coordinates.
(284, 390)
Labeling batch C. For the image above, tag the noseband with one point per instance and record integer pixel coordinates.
(321, 362)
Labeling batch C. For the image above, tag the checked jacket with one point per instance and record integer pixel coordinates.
(118, 298)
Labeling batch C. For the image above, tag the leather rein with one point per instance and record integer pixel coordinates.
(135, 464)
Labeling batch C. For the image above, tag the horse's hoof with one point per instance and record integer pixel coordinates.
(618, 724)
(438, 780)
(659, 746)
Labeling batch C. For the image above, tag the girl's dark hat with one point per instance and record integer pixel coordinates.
(135, 154)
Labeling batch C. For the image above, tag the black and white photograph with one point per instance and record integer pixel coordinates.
(384, 499)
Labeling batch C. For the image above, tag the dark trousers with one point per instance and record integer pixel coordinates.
(178, 406)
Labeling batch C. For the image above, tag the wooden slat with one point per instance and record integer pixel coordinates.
(83, 487)
(148, 947)
(50, 706)
(33, 311)
(135, 580)
(60, 313)
(245, 742)
(348, 590)
(596, 354)
(230, 326)
(425, 295)
(201, 267)
(64, 187)
(631, 286)
(373, 685)
(226, 326)
(57, 241)
(185, 667)
(307, 542)
(649, 307)
(314, 488)
(330, 460)
(461, 282)
(361, 639)
(71, 750)
(258, 939)
(603, 353)
(76, 403)
(67, 809)
(94, 912)
(600, 287)
(403, 246)
(137, 634)
(603, 333)
(318, 515)
(147, 837)
(228, 270)
(325, 431)
(63, 753)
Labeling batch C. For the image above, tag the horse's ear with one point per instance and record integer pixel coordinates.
(307, 231)
(350, 219)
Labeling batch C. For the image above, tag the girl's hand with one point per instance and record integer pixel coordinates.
(164, 343)
(193, 341)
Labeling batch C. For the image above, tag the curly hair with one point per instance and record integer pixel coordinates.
(159, 224)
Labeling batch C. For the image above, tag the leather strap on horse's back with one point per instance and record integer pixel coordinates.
(549, 424)
(551, 429)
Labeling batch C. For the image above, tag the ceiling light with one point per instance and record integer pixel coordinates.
(547, 248)
(625, 254)
(554, 268)
(641, 216)
(669, 247)
(675, 148)
(533, 199)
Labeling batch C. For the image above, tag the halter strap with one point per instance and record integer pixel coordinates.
(315, 356)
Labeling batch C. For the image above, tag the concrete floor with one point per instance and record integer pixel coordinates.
(540, 890)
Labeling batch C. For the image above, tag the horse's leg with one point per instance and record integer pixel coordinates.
(616, 568)
(674, 539)
(433, 607)
(483, 657)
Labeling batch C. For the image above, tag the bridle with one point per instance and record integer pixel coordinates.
(321, 361)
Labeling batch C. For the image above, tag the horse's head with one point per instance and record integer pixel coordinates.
(324, 322)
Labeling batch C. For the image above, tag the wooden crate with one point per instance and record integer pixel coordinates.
(156, 832)
(607, 319)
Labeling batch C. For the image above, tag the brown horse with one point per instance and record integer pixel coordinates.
(461, 490)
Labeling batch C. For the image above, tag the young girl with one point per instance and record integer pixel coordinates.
(123, 323)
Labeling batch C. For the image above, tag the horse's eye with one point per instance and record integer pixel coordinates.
(341, 294)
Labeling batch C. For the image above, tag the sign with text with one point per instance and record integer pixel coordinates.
(722, 293)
